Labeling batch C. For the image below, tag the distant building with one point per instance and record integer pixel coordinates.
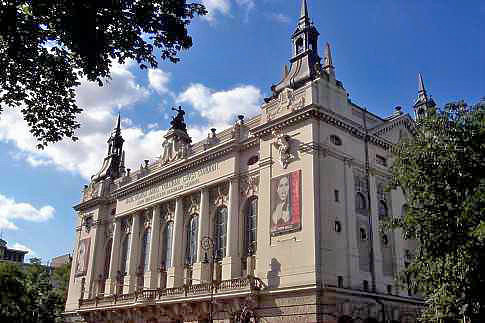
(59, 261)
(7, 254)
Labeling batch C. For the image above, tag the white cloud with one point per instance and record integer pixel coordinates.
(18, 246)
(279, 17)
(97, 119)
(158, 80)
(11, 210)
(247, 5)
(216, 6)
(221, 107)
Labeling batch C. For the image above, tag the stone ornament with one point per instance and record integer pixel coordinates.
(126, 225)
(167, 211)
(109, 230)
(219, 195)
(192, 204)
(147, 220)
(176, 145)
(282, 144)
(91, 191)
(249, 186)
(286, 100)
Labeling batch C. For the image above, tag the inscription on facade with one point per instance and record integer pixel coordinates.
(173, 185)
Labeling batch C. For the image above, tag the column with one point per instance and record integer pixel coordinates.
(175, 274)
(376, 237)
(132, 266)
(110, 287)
(201, 271)
(231, 264)
(151, 275)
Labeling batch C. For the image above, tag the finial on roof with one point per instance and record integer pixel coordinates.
(327, 60)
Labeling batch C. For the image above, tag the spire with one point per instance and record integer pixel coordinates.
(118, 124)
(304, 10)
(423, 103)
(115, 156)
(327, 61)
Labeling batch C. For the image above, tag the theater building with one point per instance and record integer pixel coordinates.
(275, 219)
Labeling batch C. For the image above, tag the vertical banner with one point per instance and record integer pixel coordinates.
(286, 203)
(82, 259)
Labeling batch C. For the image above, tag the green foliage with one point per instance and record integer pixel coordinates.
(46, 46)
(33, 293)
(441, 171)
(14, 297)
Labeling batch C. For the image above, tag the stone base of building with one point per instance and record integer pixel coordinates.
(245, 301)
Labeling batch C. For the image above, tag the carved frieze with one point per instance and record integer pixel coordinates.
(286, 101)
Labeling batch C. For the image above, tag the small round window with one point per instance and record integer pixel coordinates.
(336, 140)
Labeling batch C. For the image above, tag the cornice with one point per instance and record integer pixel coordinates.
(313, 111)
(178, 168)
(92, 202)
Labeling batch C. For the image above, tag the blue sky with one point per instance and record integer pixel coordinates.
(239, 50)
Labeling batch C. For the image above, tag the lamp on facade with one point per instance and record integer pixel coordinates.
(208, 244)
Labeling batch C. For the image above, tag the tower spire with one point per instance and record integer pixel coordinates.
(423, 104)
(304, 10)
(118, 124)
(327, 61)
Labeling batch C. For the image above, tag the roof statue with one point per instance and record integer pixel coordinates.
(177, 141)
(178, 121)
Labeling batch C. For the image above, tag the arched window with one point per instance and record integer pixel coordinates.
(107, 257)
(145, 250)
(251, 225)
(220, 232)
(382, 209)
(360, 203)
(363, 234)
(191, 246)
(124, 254)
(299, 46)
(167, 245)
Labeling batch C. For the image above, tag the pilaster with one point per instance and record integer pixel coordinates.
(231, 264)
(379, 275)
(110, 287)
(175, 274)
(152, 274)
(130, 278)
(201, 271)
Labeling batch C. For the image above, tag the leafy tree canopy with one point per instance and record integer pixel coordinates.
(46, 46)
(441, 171)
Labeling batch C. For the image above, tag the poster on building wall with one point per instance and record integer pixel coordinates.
(286, 203)
(82, 259)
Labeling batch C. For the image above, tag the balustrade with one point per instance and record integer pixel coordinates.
(250, 284)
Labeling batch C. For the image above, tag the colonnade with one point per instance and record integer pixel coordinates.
(154, 219)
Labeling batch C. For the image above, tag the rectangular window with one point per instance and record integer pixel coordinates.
(366, 286)
(381, 161)
(340, 282)
(336, 194)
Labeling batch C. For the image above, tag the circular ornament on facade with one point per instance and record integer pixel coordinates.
(206, 243)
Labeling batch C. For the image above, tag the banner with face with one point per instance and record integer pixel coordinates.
(286, 203)
(82, 259)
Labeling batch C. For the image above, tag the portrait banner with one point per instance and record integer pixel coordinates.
(286, 203)
(82, 259)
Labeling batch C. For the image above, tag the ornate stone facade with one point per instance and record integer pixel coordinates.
(288, 205)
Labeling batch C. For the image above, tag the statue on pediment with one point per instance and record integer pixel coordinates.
(176, 144)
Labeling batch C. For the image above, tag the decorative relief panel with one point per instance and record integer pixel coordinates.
(109, 230)
(287, 101)
(147, 219)
(219, 195)
(192, 204)
(167, 211)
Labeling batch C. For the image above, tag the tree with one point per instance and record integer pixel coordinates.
(441, 171)
(60, 278)
(47, 46)
(14, 298)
